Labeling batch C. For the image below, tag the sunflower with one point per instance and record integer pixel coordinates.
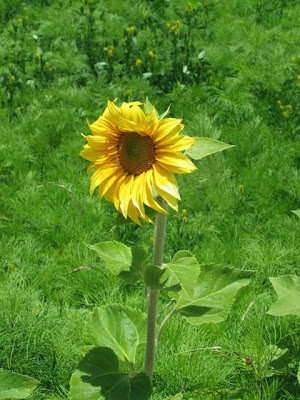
(134, 157)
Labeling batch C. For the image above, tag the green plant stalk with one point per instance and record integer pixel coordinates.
(153, 295)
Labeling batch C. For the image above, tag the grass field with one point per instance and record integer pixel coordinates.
(231, 70)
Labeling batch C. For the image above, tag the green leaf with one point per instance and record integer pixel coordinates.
(119, 327)
(147, 106)
(153, 276)
(15, 386)
(136, 271)
(298, 375)
(274, 361)
(183, 270)
(280, 357)
(213, 294)
(98, 378)
(205, 147)
(297, 212)
(287, 288)
(116, 256)
(164, 114)
(81, 390)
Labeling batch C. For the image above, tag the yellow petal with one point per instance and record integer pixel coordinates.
(112, 194)
(138, 114)
(106, 184)
(94, 155)
(125, 125)
(150, 123)
(167, 197)
(98, 143)
(126, 108)
(103, 127)
(111, 110)
(125, 194)
(101, 174)
(133, 213)
(137, 191)
(90, 167)
(175, 161)
(165, 181)
(177, 143)
(166, 126)
(148, 197)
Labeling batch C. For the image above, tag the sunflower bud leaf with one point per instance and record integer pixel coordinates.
(205, 147)
(164, 114)
(147, 106)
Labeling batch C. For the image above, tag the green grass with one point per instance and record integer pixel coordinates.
(238, 203)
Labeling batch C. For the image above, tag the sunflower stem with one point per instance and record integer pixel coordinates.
(153, 295)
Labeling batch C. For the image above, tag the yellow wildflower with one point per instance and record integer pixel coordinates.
(152, 54)
(130, 30)
(109, 50)
(139, 63)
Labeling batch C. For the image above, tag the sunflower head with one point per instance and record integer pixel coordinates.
(134, 156)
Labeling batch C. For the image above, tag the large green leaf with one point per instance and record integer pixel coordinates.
(119, 327)
(298, 375)
(98, 378)
(116, 256)
(136, 271)
(179, 273)
(211, 297)
(287, 288)
(153, 277)
(205, 147)
(183, 270)
(15, 386)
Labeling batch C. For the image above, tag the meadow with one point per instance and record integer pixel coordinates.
(231, 70)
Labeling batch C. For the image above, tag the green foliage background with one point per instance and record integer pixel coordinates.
(232, 72)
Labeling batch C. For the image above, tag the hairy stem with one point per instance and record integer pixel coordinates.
(153, 295)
